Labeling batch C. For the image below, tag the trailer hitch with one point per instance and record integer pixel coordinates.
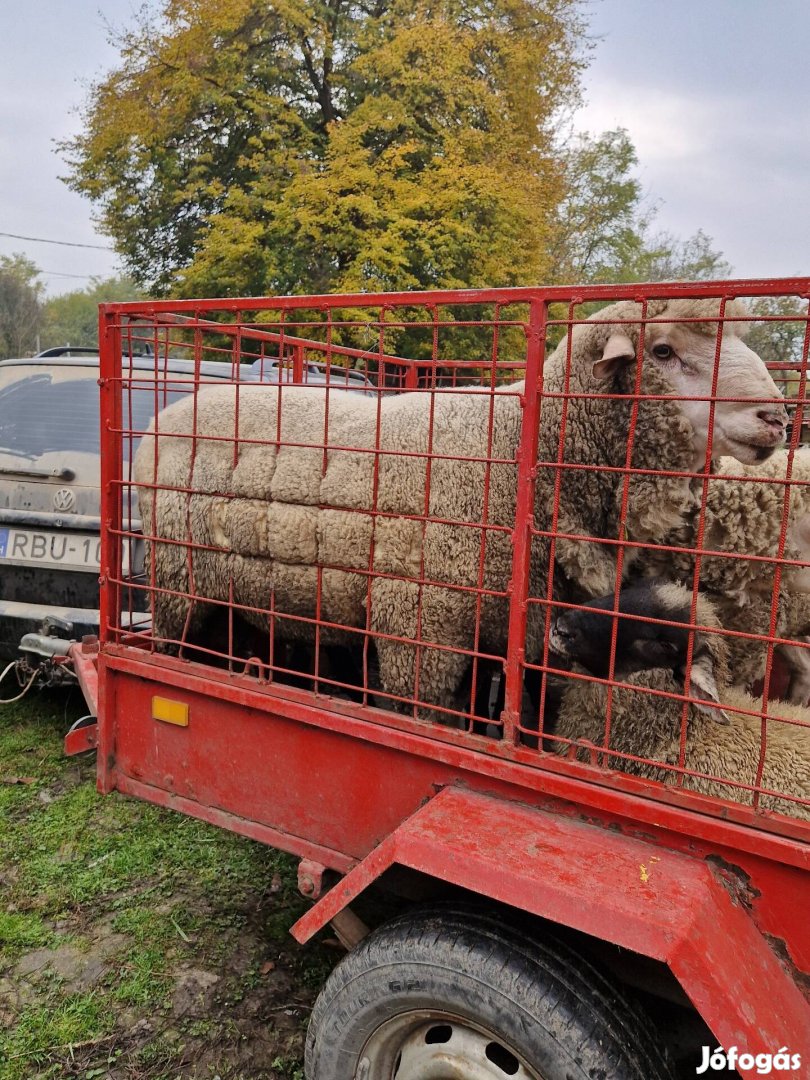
(50, 657)
(45, 655)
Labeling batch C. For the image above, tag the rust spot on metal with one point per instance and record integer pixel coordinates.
(736, 881)
(799, 977)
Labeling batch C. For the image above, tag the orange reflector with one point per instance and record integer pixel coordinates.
(170, 712)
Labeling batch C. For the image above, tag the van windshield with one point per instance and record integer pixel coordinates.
(41, 415)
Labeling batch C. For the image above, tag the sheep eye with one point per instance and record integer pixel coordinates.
(663, 352)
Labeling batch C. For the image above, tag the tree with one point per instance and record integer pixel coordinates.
(72, 318)
(663, 257)
(315, 145)
(601, 221)
(20, 307)
(782, 338)
(605, 225)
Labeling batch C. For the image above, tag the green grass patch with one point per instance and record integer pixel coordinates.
(22, 932)
(289, 1069)
(49, 1029)
(139, 897)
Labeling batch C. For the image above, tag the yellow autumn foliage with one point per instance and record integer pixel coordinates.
(246, 147)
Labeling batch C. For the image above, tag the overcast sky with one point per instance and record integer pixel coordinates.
(714, 94)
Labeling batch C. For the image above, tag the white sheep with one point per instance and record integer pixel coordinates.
(724, 742)
(671, 436)
(289, 500)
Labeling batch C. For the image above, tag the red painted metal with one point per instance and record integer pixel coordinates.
(85, 663)
(667, 906)
(592, 789)
(526, 472)
(330, 786)
(345, 774)
(554, 294)
(83, 658)
(81, 739)
(310, 878)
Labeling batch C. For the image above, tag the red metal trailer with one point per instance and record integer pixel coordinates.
(554, 889)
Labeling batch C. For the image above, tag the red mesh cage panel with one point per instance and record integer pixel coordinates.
(570, 528)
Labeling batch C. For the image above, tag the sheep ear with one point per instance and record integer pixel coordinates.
(619, 350)
(702, 684)
(654, 652)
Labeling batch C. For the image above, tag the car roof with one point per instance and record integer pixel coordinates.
(333, 373)
(211, 368)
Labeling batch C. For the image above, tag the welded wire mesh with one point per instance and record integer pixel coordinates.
(392, 503)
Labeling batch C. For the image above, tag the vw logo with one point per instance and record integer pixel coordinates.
(64, 499)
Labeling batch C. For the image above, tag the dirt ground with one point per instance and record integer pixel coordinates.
(136, 944)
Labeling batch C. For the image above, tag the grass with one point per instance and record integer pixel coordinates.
(18, 932)
(51, 1025)
(135, 942)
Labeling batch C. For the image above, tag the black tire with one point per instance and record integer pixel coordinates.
(457, 976)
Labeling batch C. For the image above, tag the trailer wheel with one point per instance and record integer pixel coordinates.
(452, 992)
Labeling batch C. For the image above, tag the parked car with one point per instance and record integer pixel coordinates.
(335, 376)
(49, 486)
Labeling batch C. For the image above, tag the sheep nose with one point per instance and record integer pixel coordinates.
(777, 417)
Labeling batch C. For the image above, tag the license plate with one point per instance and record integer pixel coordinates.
(51, 548)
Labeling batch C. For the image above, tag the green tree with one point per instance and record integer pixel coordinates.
(663, 257)
(781, 338)
(20, 305)
(604, 228)
(605, 225)
(602, 220)
(314, 145)
(72, 318)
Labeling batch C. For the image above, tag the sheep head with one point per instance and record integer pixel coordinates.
(583, 636)
(683, 353)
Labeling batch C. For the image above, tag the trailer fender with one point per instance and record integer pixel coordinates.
(660, 903)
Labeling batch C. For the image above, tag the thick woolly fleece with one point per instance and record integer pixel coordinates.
(649, 726)
(744, 516)
(291, 521)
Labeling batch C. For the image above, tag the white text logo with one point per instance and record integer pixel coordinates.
(732, 1059)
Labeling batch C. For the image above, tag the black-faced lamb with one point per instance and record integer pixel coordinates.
(584, 636)
(288, 506)
(724, 733)
(745, 507)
